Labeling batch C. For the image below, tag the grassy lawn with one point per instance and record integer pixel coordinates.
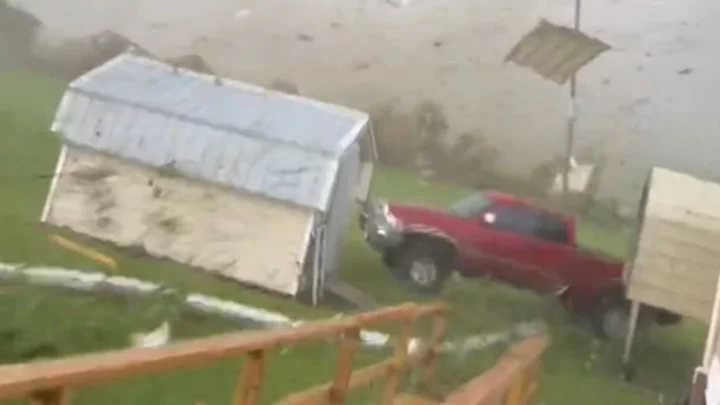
(577, 369)
(31, 328)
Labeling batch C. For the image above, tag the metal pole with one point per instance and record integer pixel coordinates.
(711, 340)
(570, 141)
(632, 328)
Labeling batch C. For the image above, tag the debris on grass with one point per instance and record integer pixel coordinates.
(154, 338)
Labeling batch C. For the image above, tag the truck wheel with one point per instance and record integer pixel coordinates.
(612, 317)
(425, 268)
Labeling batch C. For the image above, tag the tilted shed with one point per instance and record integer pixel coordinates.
(676, 253)
(255, 185)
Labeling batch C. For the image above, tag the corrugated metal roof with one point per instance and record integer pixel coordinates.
(555, 52)
(281, 146)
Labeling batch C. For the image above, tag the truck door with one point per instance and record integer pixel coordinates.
(520, 257)
(555, 252)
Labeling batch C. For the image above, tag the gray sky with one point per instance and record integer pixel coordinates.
(650, 100)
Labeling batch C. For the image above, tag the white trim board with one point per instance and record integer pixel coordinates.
(53, 184)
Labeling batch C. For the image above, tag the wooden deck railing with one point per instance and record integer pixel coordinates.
(512, 381)
(50, 382)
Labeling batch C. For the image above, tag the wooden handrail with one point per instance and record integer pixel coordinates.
(49, 382)
(512, 381)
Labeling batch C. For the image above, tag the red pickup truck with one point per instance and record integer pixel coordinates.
(496, 235)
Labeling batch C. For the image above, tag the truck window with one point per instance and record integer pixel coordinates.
(471, 206)
(516, 220)
(552, 228)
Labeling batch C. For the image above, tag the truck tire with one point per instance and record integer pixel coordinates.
(424, 265)
(611, 317)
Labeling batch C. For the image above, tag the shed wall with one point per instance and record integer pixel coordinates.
(678, 256)
(342, 206)
(240, 236)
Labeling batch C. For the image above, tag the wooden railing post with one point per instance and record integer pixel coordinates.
(517, 392)
(512, 381)
(524, 387)
(250, 382)
(531, 390)
(429, 364)
(58, 396)
(399, 362)
(348, 348)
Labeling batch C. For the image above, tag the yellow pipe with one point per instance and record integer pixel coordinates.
(90, 253)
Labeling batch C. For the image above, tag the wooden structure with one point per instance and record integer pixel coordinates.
(511, 382)
(702, 378)
(675, 255)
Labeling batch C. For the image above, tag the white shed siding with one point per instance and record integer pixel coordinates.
(678, 256)
(342, 207)
(229, 133)
(240, 236)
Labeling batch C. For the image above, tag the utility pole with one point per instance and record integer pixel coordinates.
(572, 116)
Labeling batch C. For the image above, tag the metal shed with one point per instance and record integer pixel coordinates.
(256, 185)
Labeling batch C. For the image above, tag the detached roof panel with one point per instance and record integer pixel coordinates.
(555, 52)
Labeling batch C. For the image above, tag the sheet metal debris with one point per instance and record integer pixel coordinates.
(555, 52)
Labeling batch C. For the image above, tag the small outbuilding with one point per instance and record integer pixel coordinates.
(251, 184)
(675, 254)
(675, 258)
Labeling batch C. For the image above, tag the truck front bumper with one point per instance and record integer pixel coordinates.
(379, 235)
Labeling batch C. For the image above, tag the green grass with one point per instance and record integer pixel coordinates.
(36, 319)
(577, 369)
